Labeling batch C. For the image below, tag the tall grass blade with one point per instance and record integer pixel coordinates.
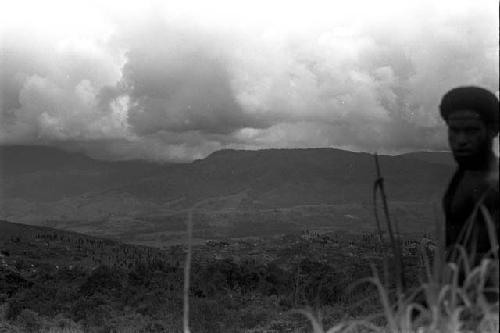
(187, 272)
(492, 233)
(400, 280)
(315, 322)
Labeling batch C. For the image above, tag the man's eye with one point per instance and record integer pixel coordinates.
(471, 130)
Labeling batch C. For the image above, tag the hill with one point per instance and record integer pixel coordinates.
(445, 158)
(52, 280)
(283, 189)
(46, 174)
(23, 245)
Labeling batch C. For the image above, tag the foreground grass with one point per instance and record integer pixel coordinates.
(466, 315)
(459, 296)
(450, 307)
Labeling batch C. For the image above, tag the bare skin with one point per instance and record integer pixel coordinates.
(468, 136)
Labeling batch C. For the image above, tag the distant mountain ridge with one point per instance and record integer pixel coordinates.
(45, 174)
(43, 183)
(445, 158)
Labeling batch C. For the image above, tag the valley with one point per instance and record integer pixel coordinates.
(246, 193)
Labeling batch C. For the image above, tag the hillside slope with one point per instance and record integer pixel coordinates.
(42, 184)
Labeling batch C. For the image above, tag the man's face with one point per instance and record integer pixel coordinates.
(468, 135)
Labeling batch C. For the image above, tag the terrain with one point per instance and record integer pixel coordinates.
(103, 246)
(245, 193)
(59, 281)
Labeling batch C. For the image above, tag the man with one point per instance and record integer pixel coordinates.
(471, 114)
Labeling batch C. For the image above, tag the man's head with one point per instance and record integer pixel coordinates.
(471, 114)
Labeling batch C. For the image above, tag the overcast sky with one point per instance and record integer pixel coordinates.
(177, 80)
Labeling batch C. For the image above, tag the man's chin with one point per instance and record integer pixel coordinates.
(468, 161)
(476, 159)
(462, 159)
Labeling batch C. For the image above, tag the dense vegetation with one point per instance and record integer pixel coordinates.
(66, 281)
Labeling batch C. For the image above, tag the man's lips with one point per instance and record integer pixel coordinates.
(462, 152)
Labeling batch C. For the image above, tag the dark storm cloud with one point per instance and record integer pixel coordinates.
(185, 90)
(173, 87)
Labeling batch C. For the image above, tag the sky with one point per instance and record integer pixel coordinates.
(178, 80)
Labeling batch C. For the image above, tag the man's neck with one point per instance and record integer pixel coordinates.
(482, 162)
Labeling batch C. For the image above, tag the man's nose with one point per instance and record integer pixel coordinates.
(462, 139)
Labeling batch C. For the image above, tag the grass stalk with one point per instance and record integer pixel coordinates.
(187, 272)
(399, 268)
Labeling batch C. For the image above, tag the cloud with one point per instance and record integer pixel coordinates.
(170, 85)
(53, 90)
(178, 81)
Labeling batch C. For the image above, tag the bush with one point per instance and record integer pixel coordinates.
(317, 283)
(102, 280)
(63, 323)
(29, 321)
(6, 327)
(207, 315)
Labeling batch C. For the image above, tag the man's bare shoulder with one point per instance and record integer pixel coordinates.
(492, 178)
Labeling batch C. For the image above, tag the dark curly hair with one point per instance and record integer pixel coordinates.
(477, 99)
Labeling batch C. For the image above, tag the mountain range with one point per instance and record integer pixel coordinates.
(48, 186)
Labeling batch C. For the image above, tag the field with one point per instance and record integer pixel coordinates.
(61, 280)
(215, 223)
